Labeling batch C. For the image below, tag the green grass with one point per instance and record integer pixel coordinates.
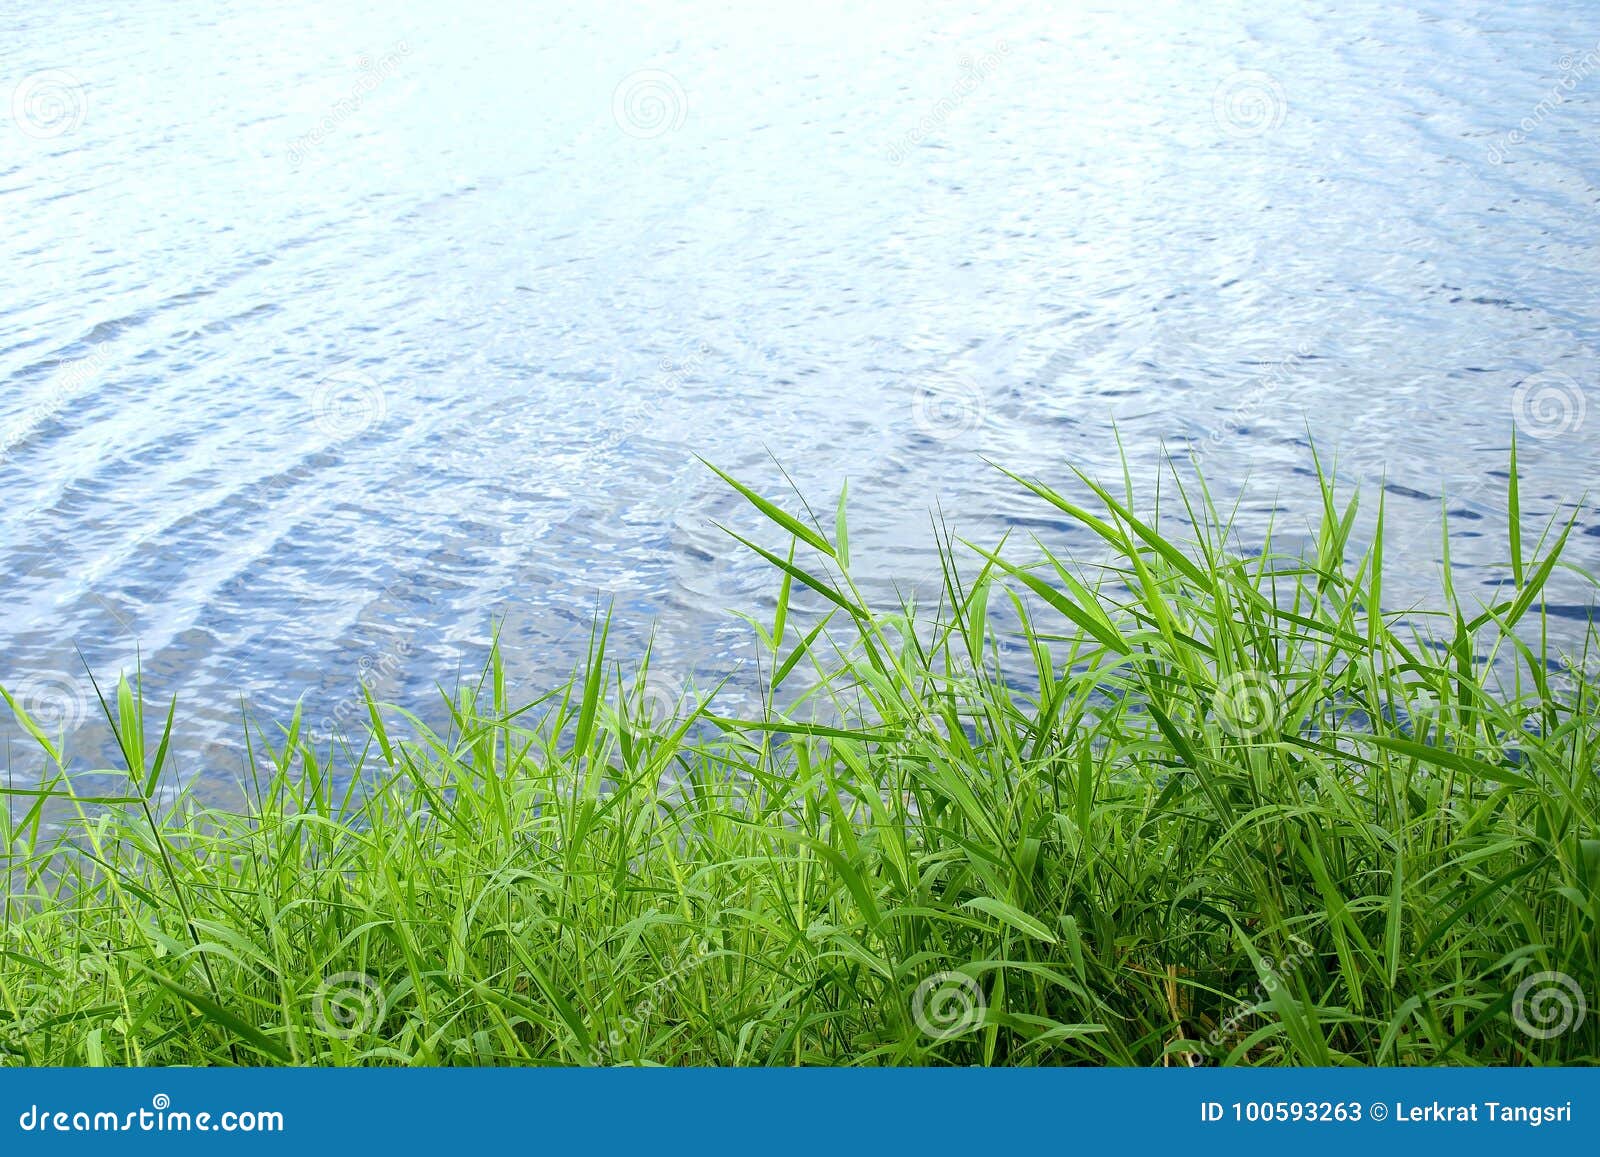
(1187, 805)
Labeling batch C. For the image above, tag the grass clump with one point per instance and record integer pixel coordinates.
(1184, 806)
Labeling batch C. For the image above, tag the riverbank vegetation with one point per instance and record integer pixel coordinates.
(1186, 804)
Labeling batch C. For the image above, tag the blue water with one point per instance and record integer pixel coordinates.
(332, 335)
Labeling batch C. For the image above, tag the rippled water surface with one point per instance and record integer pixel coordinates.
(331, 335)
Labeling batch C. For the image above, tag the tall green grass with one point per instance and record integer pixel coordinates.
(1186, 805)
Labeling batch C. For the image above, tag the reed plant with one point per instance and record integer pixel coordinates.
(1198, 801)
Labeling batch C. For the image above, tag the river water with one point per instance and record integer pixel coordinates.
(331, 335)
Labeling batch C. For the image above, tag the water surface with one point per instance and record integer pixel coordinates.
(328, 338)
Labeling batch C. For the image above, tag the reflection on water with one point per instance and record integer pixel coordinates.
(331, 337)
